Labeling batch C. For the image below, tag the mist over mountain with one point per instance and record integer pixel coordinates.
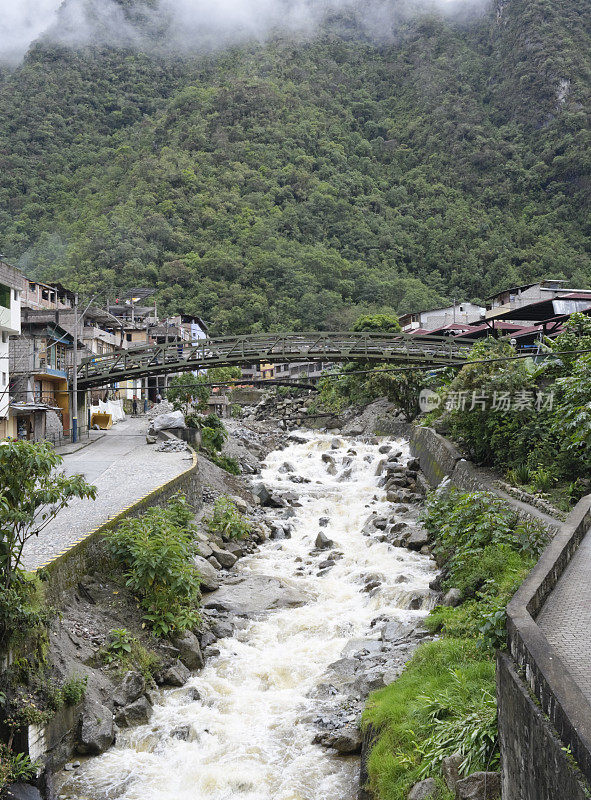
(311, 168)
(197, 25)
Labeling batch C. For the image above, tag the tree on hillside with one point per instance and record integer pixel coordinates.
(378, 323)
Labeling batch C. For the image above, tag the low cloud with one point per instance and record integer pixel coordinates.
(194, 24)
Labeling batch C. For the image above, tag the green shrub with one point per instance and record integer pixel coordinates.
(227, 520)
(15, 767)
(74, 689)
(156, 553)
(126, 652)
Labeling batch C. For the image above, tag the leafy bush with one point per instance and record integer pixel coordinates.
(126, 652)
(74, 689)
(118, 645)
(156, 553)
(227, 520)
(15, 767)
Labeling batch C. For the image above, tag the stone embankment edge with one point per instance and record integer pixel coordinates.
(66, 568)
(535, 760)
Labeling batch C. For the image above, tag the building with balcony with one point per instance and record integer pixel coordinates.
(11, 285)
(39, 361)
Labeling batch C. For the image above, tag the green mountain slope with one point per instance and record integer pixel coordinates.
(295, 184)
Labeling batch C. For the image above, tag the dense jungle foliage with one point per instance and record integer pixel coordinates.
(297, 184)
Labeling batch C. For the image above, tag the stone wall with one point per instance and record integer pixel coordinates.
(440, 459)
(535, 765)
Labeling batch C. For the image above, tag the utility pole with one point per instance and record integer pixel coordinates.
(75, 375)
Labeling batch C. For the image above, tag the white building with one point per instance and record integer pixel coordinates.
(11, 285)
(434, 318)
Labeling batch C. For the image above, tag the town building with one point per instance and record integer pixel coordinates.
(39, 361)
(459, 313)
(11, 286)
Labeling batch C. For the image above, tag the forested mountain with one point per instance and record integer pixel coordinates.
(300, 181)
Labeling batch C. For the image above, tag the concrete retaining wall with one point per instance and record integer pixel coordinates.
(535, 764)
(440, 459)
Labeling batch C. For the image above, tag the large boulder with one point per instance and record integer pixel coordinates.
(223, 557)
(252, 595)
(323, 542)
(209, 576)
(450, 769)
(174, 675)
(96, 732)
(22, 791)
(424, 790)
(136, 713)
(131, 687)
(479, 786)
(189, 650)
(267, 498)
(417, 539)
(346, 741)
(169, 421)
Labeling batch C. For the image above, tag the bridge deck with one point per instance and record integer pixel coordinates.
(273, 348)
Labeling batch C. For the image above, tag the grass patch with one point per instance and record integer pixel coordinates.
(444, 701)
(445, 694)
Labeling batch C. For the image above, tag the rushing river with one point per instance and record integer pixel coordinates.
(251, 731)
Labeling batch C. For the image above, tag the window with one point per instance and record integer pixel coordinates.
(4, 296)
(45, 294)
(32, 287)
(15, 292)
(128, 337)
(4, 337)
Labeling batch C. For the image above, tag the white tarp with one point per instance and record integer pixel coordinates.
(112, 407)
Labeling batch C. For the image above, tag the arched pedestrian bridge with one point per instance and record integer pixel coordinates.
(227, 351)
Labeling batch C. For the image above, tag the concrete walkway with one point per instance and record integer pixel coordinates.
(565, 618)
(123, 468)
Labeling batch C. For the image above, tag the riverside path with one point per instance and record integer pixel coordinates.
(123, 468)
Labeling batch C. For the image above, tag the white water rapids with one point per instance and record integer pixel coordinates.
(251, 732)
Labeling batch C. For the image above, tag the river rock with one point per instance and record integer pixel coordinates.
(323, 522)
(223, 557)
(22, 791)
(450, 769)
(183, 732)
(392, 631)
(208, 575)
(96, 732)
(280, 531)
(346, 741)
(174, 675)
(253, 594)
(424, 790)
(137, 713)
(222, 629)
(189, 650)
(266, 497)
(131, 687)
(452, 598)
(214, 562)
(417, 539)
(323, 542)
(479, 786)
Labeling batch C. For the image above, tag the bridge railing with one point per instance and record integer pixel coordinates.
(308, 346)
